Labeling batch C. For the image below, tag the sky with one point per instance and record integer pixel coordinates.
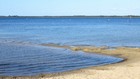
(69, 7)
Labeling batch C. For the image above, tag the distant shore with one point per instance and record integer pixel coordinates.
(74, 16)
(129, 69)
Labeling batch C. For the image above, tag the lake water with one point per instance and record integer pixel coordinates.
(27, 60)
(22, 55)
(73, 31)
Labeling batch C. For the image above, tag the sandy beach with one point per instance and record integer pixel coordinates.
(129, 69)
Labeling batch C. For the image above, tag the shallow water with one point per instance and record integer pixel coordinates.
(21, 55)
(73, 31)
(26, 60)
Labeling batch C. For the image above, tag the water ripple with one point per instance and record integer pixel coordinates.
(26, 60)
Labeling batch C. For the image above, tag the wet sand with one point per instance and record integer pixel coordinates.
(129, 69)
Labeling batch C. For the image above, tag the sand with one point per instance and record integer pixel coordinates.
(129, 69)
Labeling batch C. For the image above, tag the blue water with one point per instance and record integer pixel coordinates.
(73, 31)
(27, 60)
(22, 55)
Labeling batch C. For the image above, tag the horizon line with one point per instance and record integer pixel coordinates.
(71, 16)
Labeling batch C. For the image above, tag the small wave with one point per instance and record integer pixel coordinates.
(27, 60)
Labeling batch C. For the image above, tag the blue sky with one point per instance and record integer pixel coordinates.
(69, 7)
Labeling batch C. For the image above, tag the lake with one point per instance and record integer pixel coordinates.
(111, 32)
(21, 53)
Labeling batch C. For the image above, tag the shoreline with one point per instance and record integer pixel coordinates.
(131, 56)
